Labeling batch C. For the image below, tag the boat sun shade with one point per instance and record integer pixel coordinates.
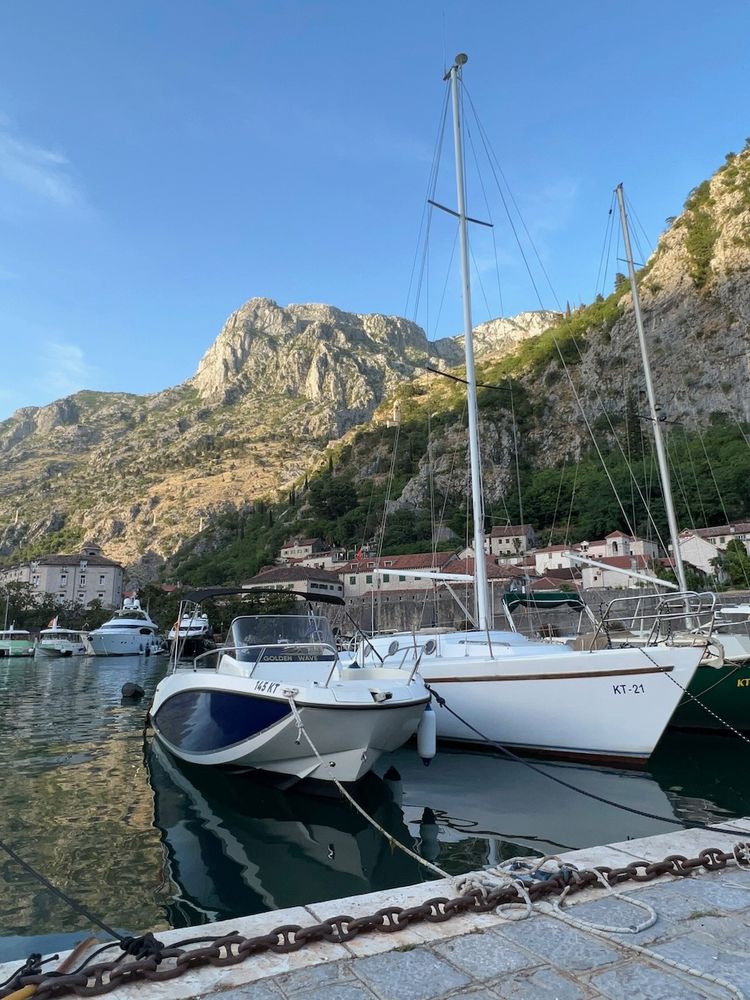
(207, 593)
(542, 599)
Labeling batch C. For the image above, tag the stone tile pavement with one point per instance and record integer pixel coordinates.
(703, 921)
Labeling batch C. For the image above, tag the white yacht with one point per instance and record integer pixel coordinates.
(54, 641)
(250, 703)
(129, 632)
(192, 633)
(588, 704)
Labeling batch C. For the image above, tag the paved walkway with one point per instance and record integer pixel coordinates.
(704, 921)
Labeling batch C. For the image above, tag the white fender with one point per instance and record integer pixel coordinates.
(427, 735)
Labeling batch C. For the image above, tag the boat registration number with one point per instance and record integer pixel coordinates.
(268, 686)
(628, 689)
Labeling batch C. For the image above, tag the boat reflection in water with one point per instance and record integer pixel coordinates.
(235, 846)
(512, 809)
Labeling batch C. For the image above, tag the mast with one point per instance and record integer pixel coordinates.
(661, 453)
(483, 613)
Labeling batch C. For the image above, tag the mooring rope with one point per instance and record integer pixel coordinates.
(302, 731)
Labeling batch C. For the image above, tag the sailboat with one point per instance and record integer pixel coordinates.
(590, 704)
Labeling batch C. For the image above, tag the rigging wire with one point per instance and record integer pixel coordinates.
(490, 153)
(601, 274)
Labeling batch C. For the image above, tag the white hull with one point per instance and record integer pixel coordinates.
(611, 704)
(198, 714)
(60, 648)
(617, 709)
(117, 644)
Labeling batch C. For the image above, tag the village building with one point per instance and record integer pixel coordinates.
(330, 559)
(81, 577)
(510, 543)
(302, 579)
(358, 576)
(301, 548)
(699, 553)
(721, 535)
(613, 573)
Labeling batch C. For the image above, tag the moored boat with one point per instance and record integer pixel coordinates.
(191, 634)
(54, 641)
(280, 698)
(16, 642)
(589, 704)
(129, 632)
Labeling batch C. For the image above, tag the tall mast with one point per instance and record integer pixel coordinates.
(484, 617)
(661, 453)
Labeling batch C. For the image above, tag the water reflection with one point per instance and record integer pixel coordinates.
(237, 846)
(146, 842)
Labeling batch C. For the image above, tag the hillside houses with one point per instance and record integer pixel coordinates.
(514, 558)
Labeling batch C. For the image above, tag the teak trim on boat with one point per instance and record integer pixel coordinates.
(547, 677)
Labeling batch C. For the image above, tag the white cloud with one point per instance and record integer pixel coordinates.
(44, 173)
(63, 369)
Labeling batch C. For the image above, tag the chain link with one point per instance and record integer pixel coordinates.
(172, 960)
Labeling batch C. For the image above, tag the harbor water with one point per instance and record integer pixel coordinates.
(147, 843)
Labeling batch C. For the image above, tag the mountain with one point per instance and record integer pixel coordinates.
(139, 473)
(281, 388)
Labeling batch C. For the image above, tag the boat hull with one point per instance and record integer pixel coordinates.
(16, 647)
(104, 644)
(612, 708)
(209, 719)
(724, 691)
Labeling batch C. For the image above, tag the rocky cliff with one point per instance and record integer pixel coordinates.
(280, 384)
(142, 473)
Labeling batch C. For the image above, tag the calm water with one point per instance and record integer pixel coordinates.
(147, 843)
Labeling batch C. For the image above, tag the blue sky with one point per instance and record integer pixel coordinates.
(163, 161)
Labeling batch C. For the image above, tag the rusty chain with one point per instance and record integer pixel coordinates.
(170, 961)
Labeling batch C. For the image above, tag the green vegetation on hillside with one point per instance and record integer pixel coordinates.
(710, 472)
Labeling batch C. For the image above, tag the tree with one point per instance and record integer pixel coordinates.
(331, 498)
(737, 563)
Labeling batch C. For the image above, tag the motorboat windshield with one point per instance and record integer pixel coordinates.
(282, 638)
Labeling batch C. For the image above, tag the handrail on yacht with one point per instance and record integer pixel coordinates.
(656, 610)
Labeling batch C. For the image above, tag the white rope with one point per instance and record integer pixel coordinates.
(365, 815)
(500, 875)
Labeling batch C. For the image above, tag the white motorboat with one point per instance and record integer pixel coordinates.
(590, 704)
(192, 633)
(129, 632)
(56, 641)
(279, 680)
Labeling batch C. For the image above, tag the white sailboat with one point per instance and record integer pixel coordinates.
(609, 704)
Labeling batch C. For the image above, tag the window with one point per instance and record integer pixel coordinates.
(63, 579)
(101, 579)
(83, 580)
(100, 595)
(368, 578)
(81, 595)
(386, 577)
(352, 579)
(401, 579)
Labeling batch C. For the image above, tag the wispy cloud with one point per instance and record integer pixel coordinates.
(63, 370)
(44, 173)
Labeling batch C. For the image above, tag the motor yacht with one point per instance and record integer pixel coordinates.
(129, 632)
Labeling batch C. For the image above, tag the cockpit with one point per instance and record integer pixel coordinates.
(282, 638)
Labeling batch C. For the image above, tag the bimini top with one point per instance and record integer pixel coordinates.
(543, 599)
(206, 593)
